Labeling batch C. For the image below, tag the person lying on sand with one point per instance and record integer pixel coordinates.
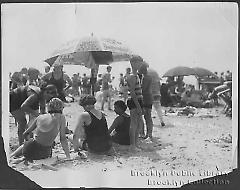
(121, 124)
(47, 128)
(91, 131)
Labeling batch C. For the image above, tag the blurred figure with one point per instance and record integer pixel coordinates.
(222, 78)
(125, 86)
(58, 78)
(228, 76)
(75, 84)
(86, 86)
(106, 80)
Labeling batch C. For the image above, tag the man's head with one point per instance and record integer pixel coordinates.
(120, 107)
(33, 73)
(55, 105)
(87, 102)
(136, 62)
(109, 68)
(24, 70)
(47, 69)
(57, 67)
(128, 70)
(49, 91)
(143, 68)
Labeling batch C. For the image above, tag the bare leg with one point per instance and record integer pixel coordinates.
(149, 122)
(20, 118)
(140, 126)
(158, 108)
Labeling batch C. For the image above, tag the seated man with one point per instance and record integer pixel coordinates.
(91, 131)
(121, 125)
(47, 128)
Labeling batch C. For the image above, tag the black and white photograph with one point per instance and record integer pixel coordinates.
(136, 94)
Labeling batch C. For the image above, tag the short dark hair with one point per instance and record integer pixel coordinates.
(135, 59)
(121, 104)
(109, 67)
(87, 100)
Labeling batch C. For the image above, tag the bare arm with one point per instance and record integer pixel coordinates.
(114, 124)
(79, 133)
(31, 128)
(28, 102)
(63, 138)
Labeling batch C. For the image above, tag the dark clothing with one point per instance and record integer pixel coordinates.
(131, 104)
(122, 131)
(60, 84)
(18, 96)
(32, 150)
(97, 137)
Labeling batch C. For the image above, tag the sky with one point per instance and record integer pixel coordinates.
(164, 34)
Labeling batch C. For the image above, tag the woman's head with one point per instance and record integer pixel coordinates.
(55, 105)
(87, 102)
(57, 67)
(120, 107)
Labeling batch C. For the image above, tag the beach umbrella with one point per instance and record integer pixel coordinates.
(179, 71)
(89, 51)
(201, 72)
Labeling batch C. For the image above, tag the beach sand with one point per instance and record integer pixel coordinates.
(187, 143)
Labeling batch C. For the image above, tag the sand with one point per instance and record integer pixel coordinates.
(200, 142)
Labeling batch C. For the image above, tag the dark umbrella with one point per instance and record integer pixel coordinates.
(179, 71)
(201, 72)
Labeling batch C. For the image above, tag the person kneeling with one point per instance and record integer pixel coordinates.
(91, 131)
(47, 128)
(121, 125)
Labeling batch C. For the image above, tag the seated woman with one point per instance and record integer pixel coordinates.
(121, 125)
(47, 128)
(27, 100)
(91, 131)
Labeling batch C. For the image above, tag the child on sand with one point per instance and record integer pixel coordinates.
(121, 125)
(47, 128)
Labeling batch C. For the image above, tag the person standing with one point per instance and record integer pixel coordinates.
(27, 100)
(147, 99)
(58, 78)
(135, 103)
(106, 80)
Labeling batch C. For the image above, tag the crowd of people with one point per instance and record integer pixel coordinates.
(41, 97)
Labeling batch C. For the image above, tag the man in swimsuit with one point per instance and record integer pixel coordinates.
(58, 78)
(106, 79)
(91, 131)
(135, 103)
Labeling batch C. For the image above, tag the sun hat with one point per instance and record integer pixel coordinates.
(55, 104)
(87, 100)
